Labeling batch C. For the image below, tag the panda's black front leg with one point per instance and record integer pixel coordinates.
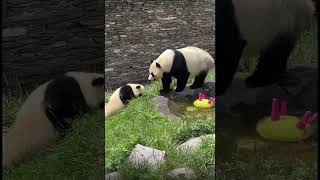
(272, 62)
(166, 81)
(229, 45)
(181, 83)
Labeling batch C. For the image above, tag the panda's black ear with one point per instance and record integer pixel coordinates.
(98, 81)
(158, 65)
(138, 87)
(151, 61)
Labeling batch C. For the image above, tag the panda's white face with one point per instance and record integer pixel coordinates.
(155, 71)
(92, 87)
(138, 89)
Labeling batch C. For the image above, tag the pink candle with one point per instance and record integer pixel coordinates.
(313, 118)
(211, 100)
(283, 109)
(303, 121)
(275, 115)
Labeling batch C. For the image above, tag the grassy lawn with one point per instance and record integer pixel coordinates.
(140, 123)
(305, 52)
(261, 166)
(80, 155)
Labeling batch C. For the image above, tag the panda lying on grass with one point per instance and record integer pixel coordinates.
(49, 109)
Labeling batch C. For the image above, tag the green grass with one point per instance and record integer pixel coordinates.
(261, 166)
(140, 123)
(80, 155)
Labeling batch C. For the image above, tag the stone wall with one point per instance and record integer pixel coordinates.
(138, 31)
(44, 38)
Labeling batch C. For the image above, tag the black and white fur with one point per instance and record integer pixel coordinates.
(181, 64)
(269, 28)
(49, 109)
(122, 96)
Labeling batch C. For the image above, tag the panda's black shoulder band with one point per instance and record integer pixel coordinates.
(126, 94)
(64, 101)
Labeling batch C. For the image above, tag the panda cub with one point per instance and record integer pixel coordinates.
(267, 28)
(48, 110)
(181, 64)
(122, 96)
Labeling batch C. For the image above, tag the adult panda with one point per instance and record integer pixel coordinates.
(48, 110)
(268, 27)
(122, 96)
(181, 64)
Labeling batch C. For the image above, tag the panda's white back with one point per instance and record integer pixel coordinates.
(32, 111)
(197, 59)
(31, 125)
(260, 21)
(114, 104)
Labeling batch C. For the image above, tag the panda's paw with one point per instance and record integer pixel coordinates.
(164, 91)
(193, 86)
(179, 89)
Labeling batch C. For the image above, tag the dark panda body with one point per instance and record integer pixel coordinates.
(181, 64)
(122, 96)
(50, 109)
(268, 28)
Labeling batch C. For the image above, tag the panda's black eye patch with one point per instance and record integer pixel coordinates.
(158, 65)
(152, 74)
(138, 87)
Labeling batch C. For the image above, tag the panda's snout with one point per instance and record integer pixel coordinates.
(150, 78)
(140, 94)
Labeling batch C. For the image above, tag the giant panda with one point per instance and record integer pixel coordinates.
(49, 110)
(122, 96)
(181, 63)
(268, 28)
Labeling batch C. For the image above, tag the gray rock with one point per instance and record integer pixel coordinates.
(298, 87)
(4, 130)
(185, 173)
(194, 143)
(113, 176)
(208, 89)
(161, 104)
(11, 32)
(142, 154)
(108, 69)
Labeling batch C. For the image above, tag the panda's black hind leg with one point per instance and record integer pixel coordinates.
(272, 62)
(199, 80)
(181, 83)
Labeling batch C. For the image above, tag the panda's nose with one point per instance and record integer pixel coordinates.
(150, 78)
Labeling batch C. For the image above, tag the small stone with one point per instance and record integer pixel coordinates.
(108, 69)
(108, 43)
(194, 143)
(116, 50)
(11, 32)
(113, 176)
(58, 44)
(142, 154)
(4, 130)
(185, 173)
(162, 106)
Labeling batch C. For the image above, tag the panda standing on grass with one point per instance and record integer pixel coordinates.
(181, 64)
(268, 28)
